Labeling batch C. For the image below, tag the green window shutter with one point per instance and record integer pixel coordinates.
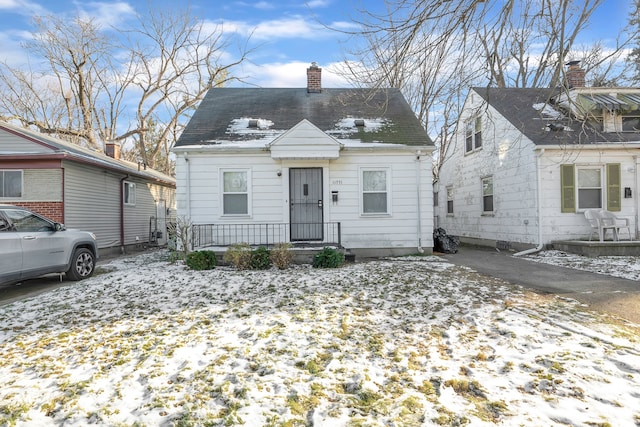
(614, 190)
(568, 188)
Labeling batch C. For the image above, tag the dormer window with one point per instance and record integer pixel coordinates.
(631, 121)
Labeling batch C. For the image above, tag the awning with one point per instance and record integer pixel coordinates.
(609, 102)
(631, 98)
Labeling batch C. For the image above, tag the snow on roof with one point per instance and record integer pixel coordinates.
(263, 134)
(348, 126)
(547, 111)
(248, 125)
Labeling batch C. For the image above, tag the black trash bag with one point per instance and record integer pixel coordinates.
(444, 243)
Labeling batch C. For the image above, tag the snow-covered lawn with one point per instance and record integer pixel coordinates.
(399, 342)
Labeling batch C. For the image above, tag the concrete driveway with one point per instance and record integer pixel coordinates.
(620, 297)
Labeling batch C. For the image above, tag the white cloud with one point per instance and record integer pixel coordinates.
(106, 14)
(295, 27)
(12, 52)
(318, 3)
(264, 5)
(22, 7)
(290, 74)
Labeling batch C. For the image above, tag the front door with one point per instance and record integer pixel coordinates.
(305, 196)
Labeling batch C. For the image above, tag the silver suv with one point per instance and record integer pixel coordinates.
(32, 246)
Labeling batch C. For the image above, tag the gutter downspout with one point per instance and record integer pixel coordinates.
(122, 213)
(636, 188)
(539, 190)
(188, 192)
(419, 190)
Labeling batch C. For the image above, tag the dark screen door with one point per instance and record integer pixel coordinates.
(305, 196)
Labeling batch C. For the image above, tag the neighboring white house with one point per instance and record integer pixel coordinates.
(307, 165)
(526, 163)
(123, 203)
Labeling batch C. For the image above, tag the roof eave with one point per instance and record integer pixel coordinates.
(61, 155)
(599, 146)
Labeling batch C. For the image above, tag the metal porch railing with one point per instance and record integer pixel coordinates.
(265, 234)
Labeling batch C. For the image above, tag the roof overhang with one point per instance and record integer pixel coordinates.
(601, 146)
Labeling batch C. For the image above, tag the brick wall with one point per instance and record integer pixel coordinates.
(314, 79)
(52, 210)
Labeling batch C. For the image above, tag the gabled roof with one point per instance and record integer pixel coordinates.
(304, 141)
(59, 149)
(259, 115)
(535, 113)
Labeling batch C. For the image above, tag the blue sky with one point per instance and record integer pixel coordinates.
(290, 34)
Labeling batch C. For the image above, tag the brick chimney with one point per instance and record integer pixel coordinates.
(112, 149)
(575, 75)
(314, 78)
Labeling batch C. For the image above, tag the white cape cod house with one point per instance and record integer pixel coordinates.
(310, 166)
(527, 163)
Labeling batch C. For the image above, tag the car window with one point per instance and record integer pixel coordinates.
(27, 221)
(4, 224)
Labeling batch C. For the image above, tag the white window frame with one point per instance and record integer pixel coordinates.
(483, 186)
(129, 189)
(473, 135)
(450, 200)
(3, 172)
(602, 186)
(248, 192)
(387, 191)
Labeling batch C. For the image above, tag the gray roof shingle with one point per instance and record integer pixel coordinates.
(523, 108)
(281, 109)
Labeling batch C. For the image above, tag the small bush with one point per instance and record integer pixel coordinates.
(238, 255)
(201, 260)
(328, 258)
(260, 259)
(281, 255)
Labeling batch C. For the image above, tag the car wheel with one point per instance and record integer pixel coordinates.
(82, 265)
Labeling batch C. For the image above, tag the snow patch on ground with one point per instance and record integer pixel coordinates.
(399, 341)
(625, 267)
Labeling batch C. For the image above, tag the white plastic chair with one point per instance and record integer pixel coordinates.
(594, 216)
(611, 220)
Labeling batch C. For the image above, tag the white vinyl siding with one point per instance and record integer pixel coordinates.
(269, 193)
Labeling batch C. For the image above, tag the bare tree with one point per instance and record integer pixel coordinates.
(176, 60)
(63, 98)
(633, 59)
(89, 76)
(435, 50)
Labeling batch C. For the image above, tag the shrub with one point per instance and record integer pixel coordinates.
(260, 259)
(281, 255)
(201, 260)
(238, 255)
(328, 258)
